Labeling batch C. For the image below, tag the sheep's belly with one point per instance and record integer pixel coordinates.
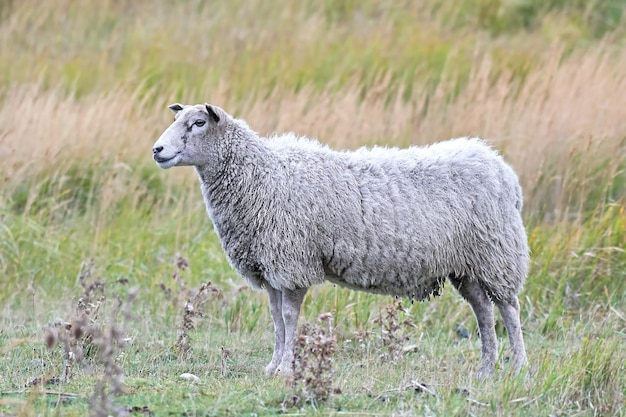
(414, 287)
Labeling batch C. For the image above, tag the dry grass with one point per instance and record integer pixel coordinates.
(561, 128)
(391, 325)
(101, 101)
(314, 348)
(93, 343)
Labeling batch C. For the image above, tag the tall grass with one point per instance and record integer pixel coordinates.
(83, 94)
(561, 128)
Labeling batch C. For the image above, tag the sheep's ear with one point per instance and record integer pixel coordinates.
(175, 107)
(214, 112)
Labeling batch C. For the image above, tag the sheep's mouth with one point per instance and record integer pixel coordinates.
(166, 162)
(161, 160)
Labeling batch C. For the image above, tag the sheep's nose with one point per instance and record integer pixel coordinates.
(157, 149)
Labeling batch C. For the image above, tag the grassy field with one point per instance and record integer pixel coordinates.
(102, 254)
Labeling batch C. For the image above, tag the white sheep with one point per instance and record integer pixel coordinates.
(291, 213)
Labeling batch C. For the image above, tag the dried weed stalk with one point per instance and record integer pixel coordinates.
(179, 291)
(87, 341)
(391, 325)
(192, 309)
(226, 353)
(73, 335)
(313, 358)
(181, 265)
(109, 341)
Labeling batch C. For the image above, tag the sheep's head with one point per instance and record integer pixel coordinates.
(188, 140)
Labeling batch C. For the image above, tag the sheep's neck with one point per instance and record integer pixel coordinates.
(241, 176)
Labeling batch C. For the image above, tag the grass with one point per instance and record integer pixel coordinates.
(83, 91)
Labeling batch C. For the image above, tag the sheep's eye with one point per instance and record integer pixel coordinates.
(199, 123)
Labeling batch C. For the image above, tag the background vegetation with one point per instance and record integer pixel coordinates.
(83, 92)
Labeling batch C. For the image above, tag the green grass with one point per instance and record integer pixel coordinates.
(83, 94)
(574, 334)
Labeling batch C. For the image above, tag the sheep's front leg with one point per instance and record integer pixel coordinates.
(276, 301)
(291, 302)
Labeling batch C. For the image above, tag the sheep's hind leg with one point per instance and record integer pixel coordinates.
(510, 315)
(291, 302)
(483, 310)
(276, 301)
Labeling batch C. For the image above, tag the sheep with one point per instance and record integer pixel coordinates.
(291, 213)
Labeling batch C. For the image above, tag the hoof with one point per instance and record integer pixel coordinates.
(285, 369)
(484, 373)
(270, 369)
(520, 363)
